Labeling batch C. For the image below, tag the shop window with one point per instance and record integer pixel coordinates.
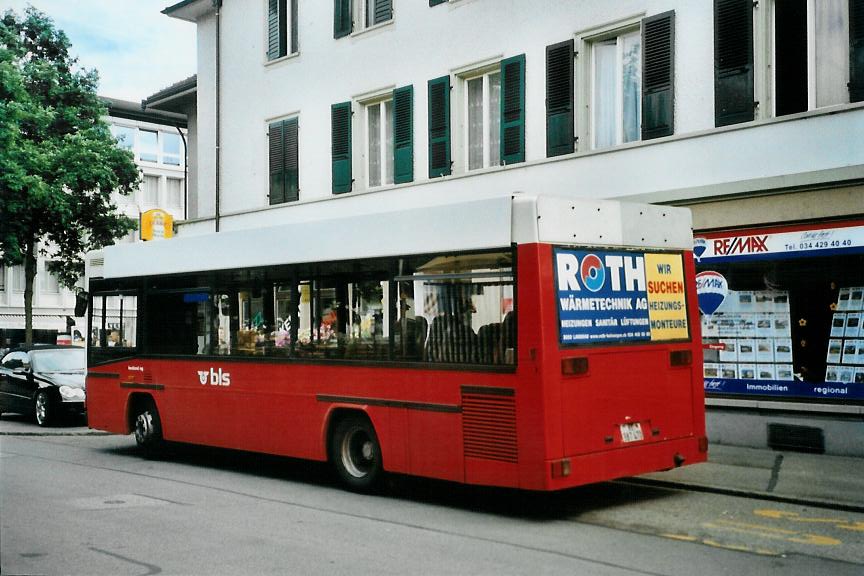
(786, 325)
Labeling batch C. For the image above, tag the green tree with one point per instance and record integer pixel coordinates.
(59, 163)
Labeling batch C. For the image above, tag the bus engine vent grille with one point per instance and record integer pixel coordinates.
(489, 425)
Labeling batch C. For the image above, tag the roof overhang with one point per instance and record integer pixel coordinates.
(190, 10)
(133, 111)
(178, 98)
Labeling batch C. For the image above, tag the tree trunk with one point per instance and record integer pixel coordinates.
(29, 277)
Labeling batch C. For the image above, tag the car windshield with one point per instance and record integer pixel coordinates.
(59, 360)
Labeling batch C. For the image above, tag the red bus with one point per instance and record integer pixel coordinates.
(530, 342)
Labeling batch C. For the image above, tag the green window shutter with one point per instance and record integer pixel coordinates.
(513, 110)
(856, 50)
(439, 127)
(277, 163)
(658, 76)
(436, 2)
(340, 120)
(276, 29)
(733, 62)
(383, 11)
(403, 135)
(342, 23)
(292, 166)
(559, 98)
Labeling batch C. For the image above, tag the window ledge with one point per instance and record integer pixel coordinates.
(281, 59)
(357, 33)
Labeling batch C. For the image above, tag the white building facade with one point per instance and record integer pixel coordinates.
(750, 114)
(157, 140)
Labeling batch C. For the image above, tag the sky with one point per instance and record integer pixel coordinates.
(136, 49)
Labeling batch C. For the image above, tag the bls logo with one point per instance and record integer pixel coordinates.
(215, 378)
(593, 273)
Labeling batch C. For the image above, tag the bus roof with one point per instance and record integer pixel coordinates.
(465, 226)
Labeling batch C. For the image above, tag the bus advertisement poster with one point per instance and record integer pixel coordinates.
(618, 296)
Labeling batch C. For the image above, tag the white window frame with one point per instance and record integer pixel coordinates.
(385, 178)
(289, 40)
(460, 149)
(360, 12)
(487, 118)
(584, 78)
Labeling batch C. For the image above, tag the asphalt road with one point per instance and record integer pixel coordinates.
(80, 503)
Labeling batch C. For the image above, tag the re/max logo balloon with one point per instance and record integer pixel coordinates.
(621, 272)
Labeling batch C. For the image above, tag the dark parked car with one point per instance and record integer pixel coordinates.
(44, 381)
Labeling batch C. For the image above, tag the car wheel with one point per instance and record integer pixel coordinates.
(356, 454)
(148, 428)
(43, 408)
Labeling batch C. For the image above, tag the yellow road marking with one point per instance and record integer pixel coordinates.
(716, 544)
(795, 517)
(774, 533)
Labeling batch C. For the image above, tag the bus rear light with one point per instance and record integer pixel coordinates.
(681, 358)
(561, 468)
(574, 366)
(703, 444)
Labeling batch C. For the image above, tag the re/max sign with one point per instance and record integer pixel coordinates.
(740, 245)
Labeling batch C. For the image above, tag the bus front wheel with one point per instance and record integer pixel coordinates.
(148, 428)
(356, 453)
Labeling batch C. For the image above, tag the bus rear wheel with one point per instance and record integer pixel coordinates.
(356, 453)
(148, 428)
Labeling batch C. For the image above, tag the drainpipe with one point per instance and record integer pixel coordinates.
(218, 5)
(185, 174)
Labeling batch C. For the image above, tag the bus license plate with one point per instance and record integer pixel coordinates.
(631, 432)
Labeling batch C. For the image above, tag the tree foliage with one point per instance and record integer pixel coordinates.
(59, 163)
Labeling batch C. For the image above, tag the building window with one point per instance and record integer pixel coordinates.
(379, 143)
(124, 135)
(626, 84)
(811, 54)
(170, 148)
(812, 58)
(616, 89)
(148, 146)
(483, 120)
(174, 191)
(281, 28)
(388, 137)
(2, 279)
(150, 190)
(19, 281)
(50, 282)
(353, 15)
(284, 161)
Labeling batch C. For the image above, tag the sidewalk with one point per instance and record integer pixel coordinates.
(812, 479)
(808, 479)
